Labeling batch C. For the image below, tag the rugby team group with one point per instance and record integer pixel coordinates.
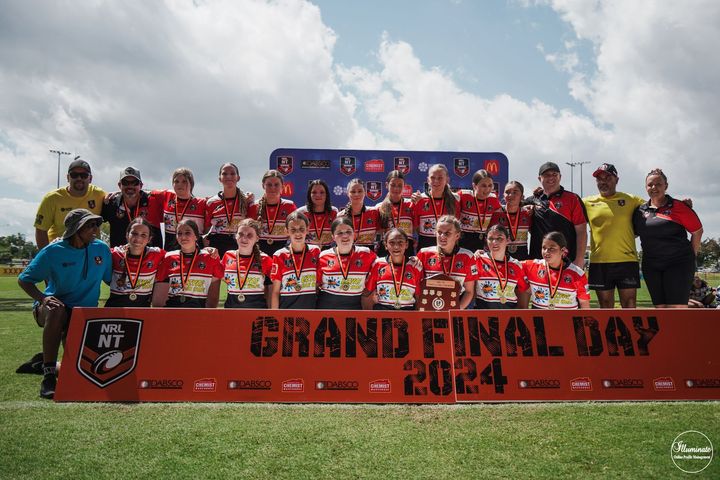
(516, 253)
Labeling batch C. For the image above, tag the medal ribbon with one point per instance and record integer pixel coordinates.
(396, 221)
(398, 290)
(182, 214)
(497, 274)
(271, 226)
(358, 228)
(127, 209)
(133, 283)
(435, 212)
(230, 217)
(513, 226)
(298, 268)
(184, 278)
(318, 232)
(557, 284)
(345, 271)
(481, 219)
(245, 275)
(442, 261)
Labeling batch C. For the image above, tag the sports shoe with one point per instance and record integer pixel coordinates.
(34, 365)
(47, 386)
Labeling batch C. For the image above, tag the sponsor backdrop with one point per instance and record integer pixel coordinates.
(418, 357)
(338, 167)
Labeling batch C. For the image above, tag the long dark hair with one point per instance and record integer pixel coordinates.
(385, 207)
(328, 206)
(242, 198)
(191, 223)
(448, 195)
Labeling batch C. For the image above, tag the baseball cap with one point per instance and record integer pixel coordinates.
(75, 220)
(547, 166)
(79, 163)
(131, 172)
(607, 168)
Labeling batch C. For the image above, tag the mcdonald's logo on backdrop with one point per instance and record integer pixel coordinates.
(492, 167)
(288, 189)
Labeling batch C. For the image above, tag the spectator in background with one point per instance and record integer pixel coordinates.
(55, 205)
(701, 295)
(557, 209)
(129, 203)
(73, 270)
(613, 257)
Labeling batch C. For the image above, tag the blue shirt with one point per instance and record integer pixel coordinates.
(73, 275)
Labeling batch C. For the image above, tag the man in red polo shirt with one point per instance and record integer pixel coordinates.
(557, 209)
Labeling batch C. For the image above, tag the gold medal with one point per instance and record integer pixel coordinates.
(270, 241)
(503, 299)
(551, 306)
(298, 287)
(397, 305)
(182, 299)
(344, 286)
(133, 297)
(242, 276)
(240, 297)
(512, 248)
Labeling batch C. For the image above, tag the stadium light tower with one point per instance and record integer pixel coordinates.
(572, 174)
(59, 154)
(581, 182)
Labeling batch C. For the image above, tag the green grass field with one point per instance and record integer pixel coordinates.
(41, 439)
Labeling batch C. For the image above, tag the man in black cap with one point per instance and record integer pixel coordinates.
(613, 256)
(130, 202)
(79, 193)
(73, 270)
(557, 209)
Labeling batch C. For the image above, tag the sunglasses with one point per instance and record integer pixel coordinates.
(83, 175)
(130, 183)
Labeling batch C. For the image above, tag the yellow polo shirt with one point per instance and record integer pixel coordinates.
(611, 232)
(56, 204)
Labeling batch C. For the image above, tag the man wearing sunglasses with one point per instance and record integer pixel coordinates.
(120, 208)
(72, 270)
(79, 193)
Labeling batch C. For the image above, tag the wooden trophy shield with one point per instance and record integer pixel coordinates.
(439, 293)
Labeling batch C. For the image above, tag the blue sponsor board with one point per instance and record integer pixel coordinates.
(338, 167)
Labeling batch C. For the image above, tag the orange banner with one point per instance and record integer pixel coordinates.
(389, 357)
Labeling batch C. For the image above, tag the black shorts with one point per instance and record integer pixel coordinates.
(669, 283)
(608, 276)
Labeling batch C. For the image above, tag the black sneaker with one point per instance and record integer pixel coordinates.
(33, 366)
(47, 386)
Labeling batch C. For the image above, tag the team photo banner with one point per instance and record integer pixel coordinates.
(139, 355)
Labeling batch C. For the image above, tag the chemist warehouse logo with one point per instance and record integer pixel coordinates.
(109, 350)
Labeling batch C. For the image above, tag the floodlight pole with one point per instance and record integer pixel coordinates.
(581, 180)
(572, 174)
(59, 153)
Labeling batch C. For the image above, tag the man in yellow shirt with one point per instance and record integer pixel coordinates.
(613, 256)
(55, 205)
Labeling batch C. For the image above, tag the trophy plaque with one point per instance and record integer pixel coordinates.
(439, 293)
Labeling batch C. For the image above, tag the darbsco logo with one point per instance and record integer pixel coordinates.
(691, 451)
(539, 383)
(249, 385)
(336, 385)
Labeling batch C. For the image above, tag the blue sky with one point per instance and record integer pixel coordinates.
(193, 83)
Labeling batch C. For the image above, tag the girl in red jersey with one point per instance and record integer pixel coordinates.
(343, 270)
(272, 210)
(180, 204)
(516, 219)
(189, 277)
(554, 282)
(135, 266)
(476, 209)
(366, 221)
(320, 213)
(447, 257)
(394, 279)
(429, 207)
(396, 212)
(225, 210)
(247, 269)
(294, 270)
(501, 280)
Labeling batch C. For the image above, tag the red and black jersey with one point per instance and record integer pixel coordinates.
(399, 215)
(497, 281)
(190, 290)
(518, 225)
(561, 290)
(461, 266)
(296, 291)
(395, 285)
(342, 278)
(560, 211)
(663, 231)
(274, 234)
(246, 277)
(426, 213)
(366, 226)
(475, 214)
(319, 229)
(175, 210)
(222, 216)
(133, 277)
(119, 215)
